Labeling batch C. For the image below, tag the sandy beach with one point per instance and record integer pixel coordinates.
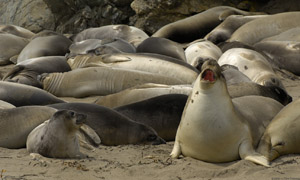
(143, 162)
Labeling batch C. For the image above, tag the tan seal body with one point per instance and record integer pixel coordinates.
(256, 30)
(98, 81)
(214, 128)
(197, 26)
(17, 123)
(253, 65)
(17, 30)
(282, 134)
(147, 62)
(57, 138)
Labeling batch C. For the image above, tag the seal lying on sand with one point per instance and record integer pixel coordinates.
(57, 138)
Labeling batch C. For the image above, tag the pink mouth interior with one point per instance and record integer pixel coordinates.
(209, 75)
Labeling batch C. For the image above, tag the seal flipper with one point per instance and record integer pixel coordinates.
(87, 137)
(247, 152)
(176, 150)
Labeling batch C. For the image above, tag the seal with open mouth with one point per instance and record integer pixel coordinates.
(215, 128)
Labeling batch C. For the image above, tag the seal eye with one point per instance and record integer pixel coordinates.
(151, 137)
(72, 113)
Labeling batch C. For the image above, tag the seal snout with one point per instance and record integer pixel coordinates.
(80, 118)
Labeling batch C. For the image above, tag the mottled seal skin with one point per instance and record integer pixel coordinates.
(10, 45)
(112, 127)
(130, 34)
(162, 46)
(17, 123)
(224, 30)
(140, 93)
(27, 71)
(45, 45)
(17, 30)
(162, 113)
(284, 54)
(99, 47)
(146, 62)
(211, 121)
(252, 64)
(24, 95)
(197, 26)
(258, 29)
(100, 81)
(57, 138)
(282, 134)
(198, 52)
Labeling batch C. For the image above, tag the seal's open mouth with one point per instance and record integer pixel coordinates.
(208, 75)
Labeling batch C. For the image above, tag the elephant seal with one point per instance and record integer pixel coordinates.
(233, 75)
(130, 34)
(198, 52)
(45, 45)
(258, 29)
(17, 30)
(215, 128)
(100, 81)
(284, 54)
(140, 93)
(162, 46)
(146, 62)
(224, 30)
(10, 45)
(17, 123)
(57, 138)
(112, 127)
(24, 95)
(197, 26)
(99, 47)
(251, 88)
(282, 134)
(26, 72)
(162, 113)
(253, 65)
(288, 35)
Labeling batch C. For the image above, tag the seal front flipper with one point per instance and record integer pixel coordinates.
(176, 150)
(90, 134)
(247, 152)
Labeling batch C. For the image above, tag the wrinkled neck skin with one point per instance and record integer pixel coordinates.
(51, 82)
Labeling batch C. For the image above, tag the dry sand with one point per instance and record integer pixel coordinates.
(144, 162)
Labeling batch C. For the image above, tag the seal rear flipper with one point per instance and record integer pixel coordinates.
(15, 70)
(176, 150)
(247, 152)
(87, 137)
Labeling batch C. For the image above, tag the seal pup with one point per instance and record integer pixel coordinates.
(24, 95)
(198, 52)
(214, 128)
(90, 81)
(17, 123)
(17, 30)
(10, 46)
(112, 127)
(130, 34)
(252, 64)
(57, 138)
(282, 134)
(197, 26)
(45, 44)
(162, 46)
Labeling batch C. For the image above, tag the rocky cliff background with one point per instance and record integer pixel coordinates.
(72, 16)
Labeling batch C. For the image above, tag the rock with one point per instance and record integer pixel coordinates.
(34, 15)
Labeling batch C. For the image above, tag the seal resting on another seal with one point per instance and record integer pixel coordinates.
(282, 134)
(57, 138)
(215, 128)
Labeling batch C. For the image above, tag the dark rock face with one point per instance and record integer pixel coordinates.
(72, 16)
